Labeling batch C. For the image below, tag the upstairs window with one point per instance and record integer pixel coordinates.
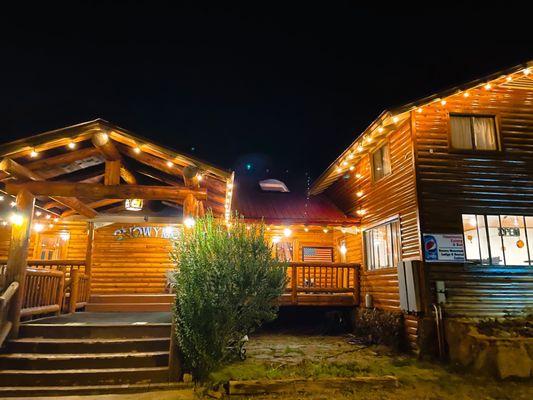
(468, 132)
(381, 162)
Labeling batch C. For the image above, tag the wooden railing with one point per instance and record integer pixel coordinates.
(49, 286)
(5, 299)
(323, 278)
(43, 292)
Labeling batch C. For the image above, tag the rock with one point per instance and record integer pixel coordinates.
(513, 361)
(214, 394)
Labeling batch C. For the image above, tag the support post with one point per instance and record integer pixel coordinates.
(74, 289)
(175, 357)
(89, 254)
(17, 260)
(294, 284)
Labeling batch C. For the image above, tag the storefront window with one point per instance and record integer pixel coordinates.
(498, 239)
(382, 246)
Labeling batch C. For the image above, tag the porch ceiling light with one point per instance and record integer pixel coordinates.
(276, 239)
(38, 227)
(133, 204)
(287, 232)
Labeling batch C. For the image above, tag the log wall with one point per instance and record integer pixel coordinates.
(451, 183)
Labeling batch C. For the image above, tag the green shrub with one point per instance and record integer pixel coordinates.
(226, 284)
(381, 327)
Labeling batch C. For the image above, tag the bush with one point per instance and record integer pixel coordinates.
(381, 327)
(226, 284)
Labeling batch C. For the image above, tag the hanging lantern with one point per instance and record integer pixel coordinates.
(133, 204)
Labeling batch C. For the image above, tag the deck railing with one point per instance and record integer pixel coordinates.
(49, 286)
(43, 292)
(323, 278)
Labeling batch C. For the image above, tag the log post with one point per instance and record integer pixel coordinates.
(175, 357)
(74, 289)
(89, 255)
(294, 284)
(17, 260)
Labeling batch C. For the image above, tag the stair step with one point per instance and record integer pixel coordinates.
(84, 377)
(25, 361)
(128, 307)
(82, 346)
(132, 298)
(94, 331)
(38, 391)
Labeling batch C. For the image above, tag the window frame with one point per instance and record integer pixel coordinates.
(496, 117)
(489, 247)
(388, 221)
(372, 171)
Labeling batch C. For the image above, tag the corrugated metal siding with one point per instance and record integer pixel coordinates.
(451, 183)
(391, 196)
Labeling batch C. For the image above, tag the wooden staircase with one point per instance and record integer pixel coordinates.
(130, 302)
(64, 359)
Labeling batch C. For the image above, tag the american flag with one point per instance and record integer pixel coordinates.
(318, 254)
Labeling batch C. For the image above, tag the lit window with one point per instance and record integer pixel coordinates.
(498, 239)
(381, 162)
(382, 246)
(284, 251)
(470, 132)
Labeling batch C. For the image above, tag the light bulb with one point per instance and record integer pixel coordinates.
(137, 150)
(189, 222)
(488, 86)
(33, 154)
(287, 232)
(72, 145)
(170, 164)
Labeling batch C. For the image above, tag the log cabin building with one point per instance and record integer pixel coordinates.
(431, 204)
(443, 187)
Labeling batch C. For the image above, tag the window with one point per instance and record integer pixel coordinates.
(382, 246)
(284, 251)
(468, 132)
(381, 162)
(50, 247)
(498, 239)
(317, 254)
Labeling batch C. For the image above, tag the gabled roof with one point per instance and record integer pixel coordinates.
(83, 131)
(96, 152)
(517, 77)
(282, 208)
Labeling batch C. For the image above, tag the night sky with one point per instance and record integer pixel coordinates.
(284, 87)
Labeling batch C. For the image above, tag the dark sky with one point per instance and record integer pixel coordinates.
(285, 86)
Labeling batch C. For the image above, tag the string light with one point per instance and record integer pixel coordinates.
(306, 229)
(16, 219)
(4, 223)
(199, 177)
(338, 169)
(361, 212)
(38, 213)
(343, 249)
(352, 168)
(71, 145)
(1, 198)
(358, 175)
(380, 129)
(488, 86)
(350, 156)
(360, 148)
(38, 227)
(33, 153)
(188, 222)
(359, 193)
(50, 226)
(48, 216)
(369, 139)
(466, 94)
(344, 163)
(170, 164)
(287, 232)
(395, 119)
(276, 239)
(13, 204)
(527, 71)
(509, 78)
(443, 102)
(56, 219)
(325, 230)
(137, 150)
(419, 110)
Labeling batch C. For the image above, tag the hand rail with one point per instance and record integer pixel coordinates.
(5, 298)
(43, 292)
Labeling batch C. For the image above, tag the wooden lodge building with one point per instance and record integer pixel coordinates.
(431, 205)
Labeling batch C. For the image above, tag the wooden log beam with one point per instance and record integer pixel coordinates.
(97, 191)
(17, 260)
(112, 172)
(62, 159)
(22, 173)
(151, 161)
(128, 176)
(105, 145)
(93, 204)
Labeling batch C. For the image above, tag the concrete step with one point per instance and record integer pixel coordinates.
(106, 331)
(84, 377)
(129, 307)
(28, 392)
(38, 361)
(132, 298)
(82, 346)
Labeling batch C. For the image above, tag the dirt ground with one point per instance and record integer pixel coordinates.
(278, 356)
